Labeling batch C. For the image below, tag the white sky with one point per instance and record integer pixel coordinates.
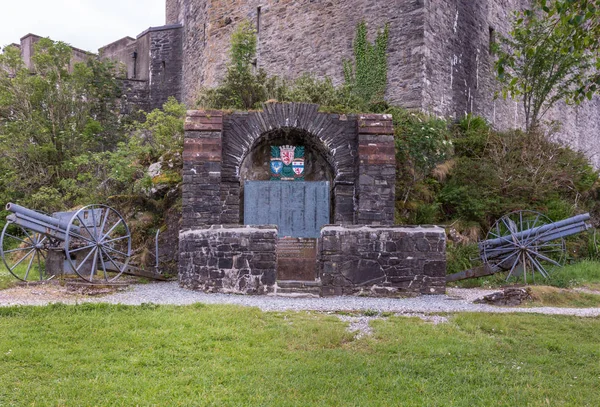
(85, 24)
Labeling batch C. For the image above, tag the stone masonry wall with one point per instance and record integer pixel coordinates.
(376, 170)
(229, 259)
(301, 36)
(460, 79)
(382, 261)
(439, 52)
(333, 135)
(202, 152)
(216, 145)
(166, 64)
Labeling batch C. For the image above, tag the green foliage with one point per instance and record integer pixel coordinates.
(544, 60)
(245, 87)
(461, 257)
(422, 142)
(366, 76)
(580, 22)
(515, 171)
(158, 138)
(52, 123)
(242, 87)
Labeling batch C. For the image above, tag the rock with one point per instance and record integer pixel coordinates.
(508, 297)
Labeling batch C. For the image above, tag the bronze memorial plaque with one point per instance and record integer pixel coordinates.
(297, 259)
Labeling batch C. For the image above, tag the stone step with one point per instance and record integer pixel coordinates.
(298, 289)
(297, 284)
(311, 290)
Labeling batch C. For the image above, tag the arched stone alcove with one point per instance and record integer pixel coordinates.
(318, 167)
(362, 253)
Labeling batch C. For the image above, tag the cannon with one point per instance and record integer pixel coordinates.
(524, 242)
(93, 242)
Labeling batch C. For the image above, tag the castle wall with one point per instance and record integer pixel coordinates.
(173, 10)
(295, 37)
(157, 65)
(122, 51)
(165, 64)
(27, 49)
(460, 77)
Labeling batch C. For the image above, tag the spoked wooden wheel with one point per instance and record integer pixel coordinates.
(24, 253)
(523, 242)
(98, 244)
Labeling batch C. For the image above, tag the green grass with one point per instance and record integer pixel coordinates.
(91, 355)
(545, 296)
(7, 280)
(585, 273)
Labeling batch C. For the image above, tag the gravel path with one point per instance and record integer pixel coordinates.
(456, 300)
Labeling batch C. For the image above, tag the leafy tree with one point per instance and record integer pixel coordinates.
(544, 60)
(52, 120)
(580, 21)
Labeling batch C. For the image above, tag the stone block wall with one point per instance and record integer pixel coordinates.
(202, 162)
(303, 36)
(382, 261)
(358, 149)
(136, 95)
(229, 259)
(166, 64)
(376, 170)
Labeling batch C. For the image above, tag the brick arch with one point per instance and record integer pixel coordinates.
(216, 144)
(336, 135)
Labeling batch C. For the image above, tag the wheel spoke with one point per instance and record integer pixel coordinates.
(29, 266)
(538, 266)
(94, 220)
(114, 262)
(84, 226)
(513, 267)
(111, 229)
(82, 248)
(85, 259)
(39, 262)
(19, 239)
(21, 259)
(533, 226)
(104, 242)
(20, 249)
(548, 259)
(78, 236)
(107, 212)
(115, 251)
(103, 264)
(93, 269)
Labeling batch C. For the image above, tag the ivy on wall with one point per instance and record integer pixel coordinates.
(366, 76)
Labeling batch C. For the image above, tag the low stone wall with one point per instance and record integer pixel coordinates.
(229, 259)
(382, 261)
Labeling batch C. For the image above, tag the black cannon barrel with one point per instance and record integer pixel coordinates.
(539, 230)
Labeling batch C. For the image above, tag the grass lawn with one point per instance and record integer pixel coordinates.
(585, 273)
(7, 280)
(92, 355)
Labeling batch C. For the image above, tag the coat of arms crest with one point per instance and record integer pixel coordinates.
(287, 163)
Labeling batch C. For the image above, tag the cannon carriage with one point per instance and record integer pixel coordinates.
(524, 243)
(93, 243)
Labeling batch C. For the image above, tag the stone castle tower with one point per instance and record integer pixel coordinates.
(439, 52)
(439, 58)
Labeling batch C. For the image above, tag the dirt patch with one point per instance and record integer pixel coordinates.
(56, 291)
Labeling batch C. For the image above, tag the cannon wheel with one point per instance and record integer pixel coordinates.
(528, 254)
(98, 244)
(24, 253)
